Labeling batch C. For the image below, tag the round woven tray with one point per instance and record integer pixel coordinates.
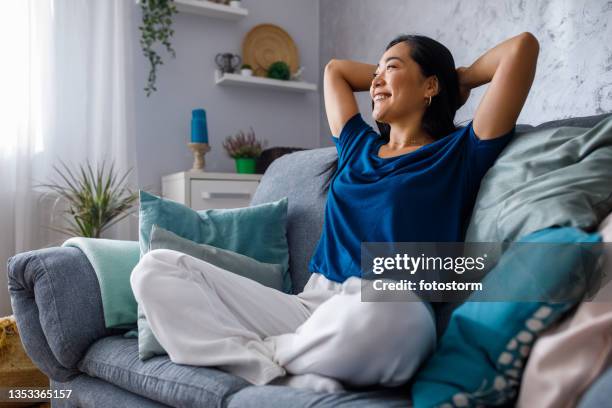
(268, 43)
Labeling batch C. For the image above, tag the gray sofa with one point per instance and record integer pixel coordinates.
(57, 304)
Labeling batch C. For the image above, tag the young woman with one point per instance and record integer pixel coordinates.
(416, 181)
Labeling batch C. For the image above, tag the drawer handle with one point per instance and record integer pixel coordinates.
(208, 195)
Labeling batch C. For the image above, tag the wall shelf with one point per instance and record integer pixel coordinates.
(240, 80)
(210, 9)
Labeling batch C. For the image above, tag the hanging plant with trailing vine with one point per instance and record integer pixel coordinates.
(156, 29)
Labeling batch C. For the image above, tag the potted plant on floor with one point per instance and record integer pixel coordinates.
(244, 149)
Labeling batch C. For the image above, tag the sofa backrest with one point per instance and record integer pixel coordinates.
(295, 176)
(582, 121)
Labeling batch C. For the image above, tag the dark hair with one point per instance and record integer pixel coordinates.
(434, 59)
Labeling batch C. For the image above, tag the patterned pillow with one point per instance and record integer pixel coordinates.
(480, 358)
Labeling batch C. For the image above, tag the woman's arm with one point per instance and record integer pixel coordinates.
(341, 79)
(510, 67)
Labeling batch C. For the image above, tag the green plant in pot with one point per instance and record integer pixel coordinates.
(279, 70)
(244, 148)
(96, 198)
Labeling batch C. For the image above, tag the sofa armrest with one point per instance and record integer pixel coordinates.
(57, 304)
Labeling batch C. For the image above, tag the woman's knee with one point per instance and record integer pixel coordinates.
(151, 267)
(390, 338)
(384, 319)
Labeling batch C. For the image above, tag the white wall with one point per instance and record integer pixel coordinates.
(574, 74)
(187, 82)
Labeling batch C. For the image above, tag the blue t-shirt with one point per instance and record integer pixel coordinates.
(426, 195)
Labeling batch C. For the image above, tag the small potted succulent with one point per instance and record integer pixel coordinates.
(246, 70)
(245, 150)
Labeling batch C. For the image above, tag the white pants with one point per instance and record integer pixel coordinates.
(207, 316)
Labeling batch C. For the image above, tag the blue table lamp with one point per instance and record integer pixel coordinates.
(199, 138)
(199, 130)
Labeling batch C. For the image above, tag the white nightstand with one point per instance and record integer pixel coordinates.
(202, 191)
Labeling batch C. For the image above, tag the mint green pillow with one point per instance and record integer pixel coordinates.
(270, 275)
(258, 232)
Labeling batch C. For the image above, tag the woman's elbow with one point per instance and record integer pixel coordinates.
(529, 42)
(331, 65)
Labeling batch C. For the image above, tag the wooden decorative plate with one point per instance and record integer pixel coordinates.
(268, 43)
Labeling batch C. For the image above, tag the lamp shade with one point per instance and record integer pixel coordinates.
(199, 129)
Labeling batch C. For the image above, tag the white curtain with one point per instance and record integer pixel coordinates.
(66, 93)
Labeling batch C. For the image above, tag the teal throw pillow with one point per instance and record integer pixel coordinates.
(480, 358)
(258, 232)
(270, 275)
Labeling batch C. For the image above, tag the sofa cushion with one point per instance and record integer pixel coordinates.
(274, 396)
(86, 391)
(115, 359)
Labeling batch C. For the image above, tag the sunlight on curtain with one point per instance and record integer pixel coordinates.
(20, 72)
(66, 93)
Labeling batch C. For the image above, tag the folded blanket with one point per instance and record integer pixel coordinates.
(113, 261)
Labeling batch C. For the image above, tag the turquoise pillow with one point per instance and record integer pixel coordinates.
(270, 275)
(480, 358)
(258, 232)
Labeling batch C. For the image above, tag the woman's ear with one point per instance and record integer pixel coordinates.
(433, 85)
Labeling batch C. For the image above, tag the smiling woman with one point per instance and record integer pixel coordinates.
(416, 87)
(417, 79)
(417, 180)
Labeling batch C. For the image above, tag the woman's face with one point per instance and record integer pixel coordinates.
(398, 87)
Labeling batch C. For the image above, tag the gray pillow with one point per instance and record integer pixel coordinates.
(546, 176)
(270, 275)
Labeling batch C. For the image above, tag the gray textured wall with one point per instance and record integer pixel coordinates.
(162, 122)
(574, 74)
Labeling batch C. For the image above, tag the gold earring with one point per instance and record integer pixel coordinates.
(429, 103)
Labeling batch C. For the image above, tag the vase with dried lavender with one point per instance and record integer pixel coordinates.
(245, 149)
